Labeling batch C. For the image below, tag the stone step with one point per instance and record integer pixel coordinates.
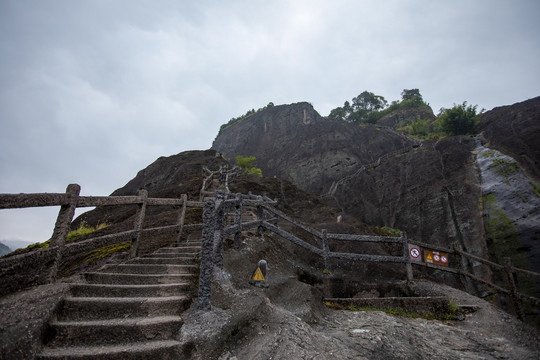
(188, 255)
(179, 250)
(136, 279)
(172, 260)
(149, 269)
(112, 331)
(150, 350)
(110, 290)
(103, 308)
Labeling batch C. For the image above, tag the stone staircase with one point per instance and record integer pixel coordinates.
(126, 311)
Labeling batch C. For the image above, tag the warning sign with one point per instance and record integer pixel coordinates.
(414, 252)
(436, 257)
(258, 275)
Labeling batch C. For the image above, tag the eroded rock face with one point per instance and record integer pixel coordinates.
(431, 190)
(376, 174)
(295, 143)
(511, 209)
(396, 118)
(428, 191)
(515, 131)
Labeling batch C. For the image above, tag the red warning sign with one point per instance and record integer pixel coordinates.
(435, 257)
(415, 253)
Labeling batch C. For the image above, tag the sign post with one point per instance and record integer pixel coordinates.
(415, 253)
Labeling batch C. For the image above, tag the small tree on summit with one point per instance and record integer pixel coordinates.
(411, 95)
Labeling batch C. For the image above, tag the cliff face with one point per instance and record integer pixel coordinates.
(295, 143)
(396, 118)
(432, 192)
(515, 131)
(373, 173)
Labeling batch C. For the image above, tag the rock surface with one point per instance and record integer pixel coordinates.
(288, 320)
(514, 130)
(375, 174)
(509, 197)
(294, 143)
(397, 118)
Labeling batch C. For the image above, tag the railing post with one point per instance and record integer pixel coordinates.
(513, 288)
(260, 217)
(218, 229)
(238, 221)
(62, 226)
(139, 220)
(460, 263)
(180, 220)
(326, 248)
(407, 257)
(207, 251)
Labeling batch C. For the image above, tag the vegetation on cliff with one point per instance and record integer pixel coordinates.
(240, 118)
(369, 108)
(459, 119)
(248, 165)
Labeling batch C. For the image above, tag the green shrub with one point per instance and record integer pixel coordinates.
(459, 120)
(248, 165)
(388, 231)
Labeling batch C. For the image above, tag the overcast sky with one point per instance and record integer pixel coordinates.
(93, 91)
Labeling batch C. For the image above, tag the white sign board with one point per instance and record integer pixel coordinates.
(415, 253)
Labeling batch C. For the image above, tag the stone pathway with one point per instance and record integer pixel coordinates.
(126, 311)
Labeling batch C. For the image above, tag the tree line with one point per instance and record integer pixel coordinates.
(369, 108)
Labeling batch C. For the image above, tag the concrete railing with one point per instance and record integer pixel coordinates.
(510, 274)
(49, 259)
(215, 231)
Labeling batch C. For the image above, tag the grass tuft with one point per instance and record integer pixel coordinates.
(84, 229)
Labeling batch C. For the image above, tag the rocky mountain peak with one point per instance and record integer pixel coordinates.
(295, 143)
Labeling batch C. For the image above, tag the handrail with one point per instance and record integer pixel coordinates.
(215, 230)
(20, 201)
(68, 202)
(516, 296)
(326, 253)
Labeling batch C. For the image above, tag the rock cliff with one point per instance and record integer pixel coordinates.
(293, 142)
(374, 173)
(515, 131)
(431, 189)
(397, 118)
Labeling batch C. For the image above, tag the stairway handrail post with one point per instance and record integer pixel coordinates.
(207, 259)
(514, 292)
(238, 221)
(139, 221)
(62, 227)
(219, 215)
(407, 257)
(181, 219)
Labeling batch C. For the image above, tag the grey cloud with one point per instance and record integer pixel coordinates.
(91, 92)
